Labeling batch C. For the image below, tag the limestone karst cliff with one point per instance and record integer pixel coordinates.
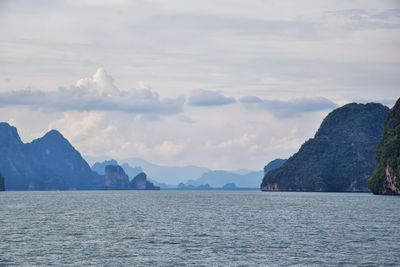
(386, 178)
(140, 182)
(340, 157)
(47, 163)
(116, 178)
(1, 182)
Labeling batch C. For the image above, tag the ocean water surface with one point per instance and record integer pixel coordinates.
(200, 228)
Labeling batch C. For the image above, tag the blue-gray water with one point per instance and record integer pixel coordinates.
(176, 228)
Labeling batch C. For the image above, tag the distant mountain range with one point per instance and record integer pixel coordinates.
(213, 178)
(165, 174)
(220, 178)
(340, 157)
(100, 167)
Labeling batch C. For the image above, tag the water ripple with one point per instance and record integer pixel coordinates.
(178, 228)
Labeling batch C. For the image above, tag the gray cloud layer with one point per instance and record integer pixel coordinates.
(98, 93)
(95, 93)
(75, 98)
(367, 19)
(202, 97)
(290, 107)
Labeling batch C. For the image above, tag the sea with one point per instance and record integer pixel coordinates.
(198, 228)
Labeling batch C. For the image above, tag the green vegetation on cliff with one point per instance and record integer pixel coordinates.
(386, 178)
(340, 157)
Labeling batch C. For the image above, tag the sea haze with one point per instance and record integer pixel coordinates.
(133, 228)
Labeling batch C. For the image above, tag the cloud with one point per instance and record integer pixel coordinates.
(101, 82)
(185, 119)
(242, 141)
(98, 133)
(96, 93)
(288, 108)
(168, 148)
(363, 14)
(199, 22)
(370, 19)
(202, 97)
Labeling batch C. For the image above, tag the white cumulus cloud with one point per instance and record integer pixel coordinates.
(101, 82)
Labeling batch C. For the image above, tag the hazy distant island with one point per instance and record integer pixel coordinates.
(340, 157)
(241, 179)
(207, 180)
(228, 186)
(386, 178)
(117, 179)
(100, 167)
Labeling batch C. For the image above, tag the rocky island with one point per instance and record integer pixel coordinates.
(47, 163)
(117, 179)
(140, 182)
(386, 178)
(340, 157)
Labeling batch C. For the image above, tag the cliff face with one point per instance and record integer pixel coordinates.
(100, 167)
(2, 187)
(58, 165)
(116, 178)
(140, 182)
(13, 159)
(340, 157)
(47, 163)
(386, 177)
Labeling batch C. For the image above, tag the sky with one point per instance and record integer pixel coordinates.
(223, 84)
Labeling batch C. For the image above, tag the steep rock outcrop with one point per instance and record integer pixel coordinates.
(13, 159)
(386, 177)
(47, 163)
(131, 171)
(100, 167)
(2, 187)
(116, 178)
(140, 182)
(340, 157)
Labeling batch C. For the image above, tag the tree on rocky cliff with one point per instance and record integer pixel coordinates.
(386, 178)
